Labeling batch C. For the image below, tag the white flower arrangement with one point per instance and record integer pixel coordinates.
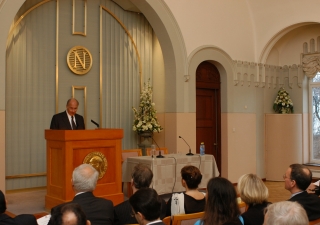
(283, 104)
(145, 118)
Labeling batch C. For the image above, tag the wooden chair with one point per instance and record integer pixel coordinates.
(242, 207)
(130, 153)
(315, 222)
(186, 219)
(126, 154)
(167, 220)
(164, 151)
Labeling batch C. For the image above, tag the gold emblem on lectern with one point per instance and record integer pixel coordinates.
(98, 161)
(79, 60)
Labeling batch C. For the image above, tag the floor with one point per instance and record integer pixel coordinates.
(32, 201)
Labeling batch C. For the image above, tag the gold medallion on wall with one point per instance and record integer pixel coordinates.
(98, 161)
(79, 60)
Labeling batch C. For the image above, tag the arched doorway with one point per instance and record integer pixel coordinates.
(208, 110)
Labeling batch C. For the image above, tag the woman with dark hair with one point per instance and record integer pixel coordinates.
(190, 201)
(221, 206)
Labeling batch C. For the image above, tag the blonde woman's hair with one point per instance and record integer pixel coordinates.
(252, 190)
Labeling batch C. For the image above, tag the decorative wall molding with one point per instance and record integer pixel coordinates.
(311, 58)
(311, 64)
(264, 75)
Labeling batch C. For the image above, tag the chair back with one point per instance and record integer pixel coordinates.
(167, 220)
(242, 207)
(315, 222)
(164, 151)
(130, 153)
(186, 219)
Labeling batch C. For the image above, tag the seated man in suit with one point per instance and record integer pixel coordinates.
(141, 178)
(69, 214)
(297, 179)
(99, 211)
(23, 219)
(146, 206)
(285, 213)
(68, 120)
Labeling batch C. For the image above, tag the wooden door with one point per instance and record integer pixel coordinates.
(208, 110)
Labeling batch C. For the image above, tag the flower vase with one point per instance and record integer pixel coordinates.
(145, 141)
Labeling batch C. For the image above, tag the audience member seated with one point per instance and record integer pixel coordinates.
(69, 214)
(285, 213)
(98, 210)
(221, 204)
(141, 178)
(255, 194)
(297, 179)
(146, 206)
(23, 219)
(190, 201)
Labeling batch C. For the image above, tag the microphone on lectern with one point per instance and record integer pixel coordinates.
(190, 153)
(95, 123)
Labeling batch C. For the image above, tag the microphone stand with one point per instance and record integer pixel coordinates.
(158, 156)
(190, 153)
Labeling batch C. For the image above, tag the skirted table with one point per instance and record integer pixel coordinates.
(166, 171)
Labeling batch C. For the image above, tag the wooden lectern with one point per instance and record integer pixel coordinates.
(67, 149)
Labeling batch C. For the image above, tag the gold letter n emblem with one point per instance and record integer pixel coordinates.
(79, 60)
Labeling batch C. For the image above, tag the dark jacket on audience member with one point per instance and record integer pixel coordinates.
(310, 202)
(23, 219)
(122, 213)
(191, 205)
(98, 210)
(255, 214)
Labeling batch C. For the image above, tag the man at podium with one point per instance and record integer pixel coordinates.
(69, 119)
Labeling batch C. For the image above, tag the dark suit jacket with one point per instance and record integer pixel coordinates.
(23, 219)
(310, 202)
(122, 213)
(98, 210)
(60, 121)
(255, 214)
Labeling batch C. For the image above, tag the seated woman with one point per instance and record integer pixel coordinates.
(254, 193)
(221, 205)
(190, 201)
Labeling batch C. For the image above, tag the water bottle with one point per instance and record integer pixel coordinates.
(153, 151)
(202, 149)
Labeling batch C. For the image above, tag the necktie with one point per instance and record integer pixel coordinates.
(74, 126)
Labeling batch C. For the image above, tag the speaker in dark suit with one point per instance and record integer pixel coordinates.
(68, 120)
